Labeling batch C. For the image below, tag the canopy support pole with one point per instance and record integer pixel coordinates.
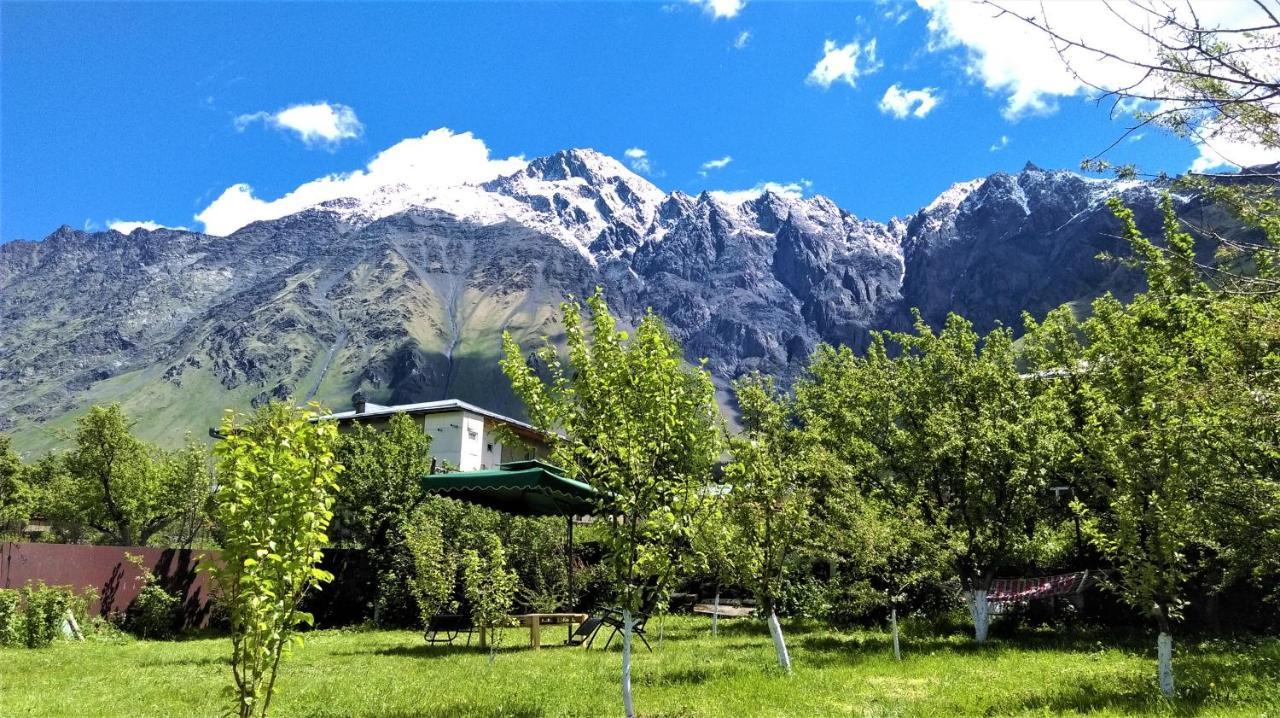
(569, 554)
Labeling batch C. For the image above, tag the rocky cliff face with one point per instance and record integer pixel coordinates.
(405, 294)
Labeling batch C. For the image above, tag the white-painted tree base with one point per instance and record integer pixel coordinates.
(627, 704)
(981, 613)
(715, 615)
(1164, 653)
(893, 620)
(779, 644)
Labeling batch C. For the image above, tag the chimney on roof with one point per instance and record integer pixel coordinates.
(359, 402)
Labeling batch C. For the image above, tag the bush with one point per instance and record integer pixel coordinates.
(154, 613)
(10, 617)
(43, 613)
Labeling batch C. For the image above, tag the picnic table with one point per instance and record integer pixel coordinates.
(535, 622)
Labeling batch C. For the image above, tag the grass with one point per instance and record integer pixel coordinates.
(393, 673)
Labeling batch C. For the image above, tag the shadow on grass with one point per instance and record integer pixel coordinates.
(683, 676)
(206, 661)
(459, 710)
(429, 651)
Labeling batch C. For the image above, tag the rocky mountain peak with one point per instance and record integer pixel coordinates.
(402, 292)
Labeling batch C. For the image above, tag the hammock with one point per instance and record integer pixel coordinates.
(1012, 590)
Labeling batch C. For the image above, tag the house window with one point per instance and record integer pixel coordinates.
(489, 447)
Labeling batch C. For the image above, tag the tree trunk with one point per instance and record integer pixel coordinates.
(979, 609)
(1164, 656)
(627, 705)
(715, 615)
(779, 644)
(893, 621)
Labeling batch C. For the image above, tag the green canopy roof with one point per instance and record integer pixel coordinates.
(523, 488)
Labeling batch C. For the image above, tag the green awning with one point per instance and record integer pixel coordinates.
(523, 488)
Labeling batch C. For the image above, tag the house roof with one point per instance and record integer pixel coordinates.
(378, 411)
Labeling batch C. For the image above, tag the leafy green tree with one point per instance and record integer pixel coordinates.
(434, 569)
(381, 488)
(120, 486)
(490, 587)
(15, 492)
(717, 546)
(190, 473)
(772, 493)
(890, 556)
(986, 440)
(950, 429)
(278, 476)
(1153, 428)
(642, 427)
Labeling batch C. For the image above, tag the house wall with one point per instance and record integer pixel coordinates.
(445, 430)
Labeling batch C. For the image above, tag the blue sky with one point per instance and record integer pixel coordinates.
(151, 111)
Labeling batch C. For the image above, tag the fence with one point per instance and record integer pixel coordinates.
(105, 570)
(347, 600)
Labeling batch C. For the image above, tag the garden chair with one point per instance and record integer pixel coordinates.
(586, 632)
(613, 618)
(445, 627)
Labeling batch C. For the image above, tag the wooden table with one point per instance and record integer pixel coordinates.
(535, 622)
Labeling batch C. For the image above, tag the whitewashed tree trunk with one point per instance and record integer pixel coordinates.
(627, 705)
(981, 615)
(893, 621)
(779, 644)
(1164, 657)
(715, 615)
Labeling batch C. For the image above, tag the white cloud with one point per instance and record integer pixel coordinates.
(1020, 62)
(640, 161)
(897, 14)
(1223, 153)
(742, 39)
(902, 103)
(715, 165)
(439, 158)
(721, 8)
(126, 226)
(1000, 144)
(844, 63)
(320, 124)
(791, 190)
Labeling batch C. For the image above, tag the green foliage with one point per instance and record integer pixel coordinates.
(10, 617)
(947, 447)
(278, 476)
(15, 493)
(44, 609)
(121, 487)
(773, 486)
(639, 425)
(434, 569)
(154, 613)
(1152, 426)
(490, 586)
(381, 488)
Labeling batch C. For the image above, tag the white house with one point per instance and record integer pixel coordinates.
(463, 436)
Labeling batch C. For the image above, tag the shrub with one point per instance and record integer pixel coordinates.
(10, 617)
(43, 613)
(154, 613)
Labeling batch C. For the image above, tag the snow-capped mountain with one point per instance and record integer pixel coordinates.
(403, 292)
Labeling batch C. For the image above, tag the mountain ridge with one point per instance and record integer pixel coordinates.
(404, 293)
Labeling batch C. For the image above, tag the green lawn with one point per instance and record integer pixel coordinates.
(393, 673)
